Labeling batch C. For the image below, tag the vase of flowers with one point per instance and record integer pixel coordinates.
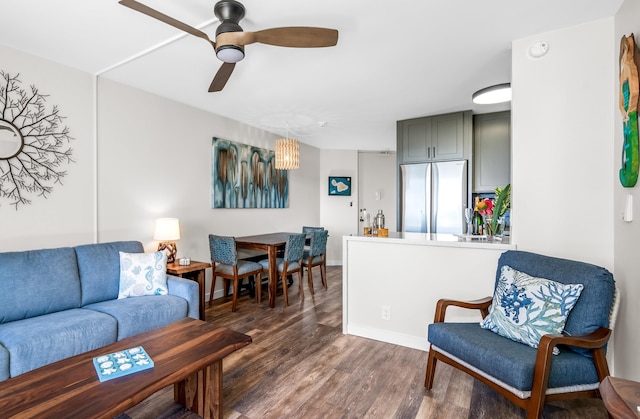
(493, 211)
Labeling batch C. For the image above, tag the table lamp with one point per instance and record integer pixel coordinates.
(167, 231)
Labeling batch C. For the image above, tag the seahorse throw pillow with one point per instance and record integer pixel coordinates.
(525, 308)
(143, 274)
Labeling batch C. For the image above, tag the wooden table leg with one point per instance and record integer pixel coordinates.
(200, 278)
(273, 275)
(189, 392)
(213, 391)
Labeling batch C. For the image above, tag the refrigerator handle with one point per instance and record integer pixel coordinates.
(435, 182)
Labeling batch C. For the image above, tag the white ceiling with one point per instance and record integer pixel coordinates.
(394, 59)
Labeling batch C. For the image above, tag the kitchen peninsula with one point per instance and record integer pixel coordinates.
(391, 284)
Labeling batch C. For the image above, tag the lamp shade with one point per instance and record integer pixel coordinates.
(287, 154)
(493, 94)
(167, 229)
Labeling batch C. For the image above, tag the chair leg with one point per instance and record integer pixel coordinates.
(236, 290)
(310, 279)
(300, 284)
(284, 289)
(431, 369)
(213, 286)
(323, 273)
(258, 281)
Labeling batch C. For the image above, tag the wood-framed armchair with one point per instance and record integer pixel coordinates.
(527, 376)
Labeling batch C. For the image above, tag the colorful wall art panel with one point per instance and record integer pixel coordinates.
(244, 176)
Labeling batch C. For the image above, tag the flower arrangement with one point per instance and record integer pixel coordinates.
(492, 211)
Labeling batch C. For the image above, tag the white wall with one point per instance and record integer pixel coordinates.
(562, 150)
(154, 160)
(66, 216)
(377, 173)
(627, 235)
(338, 214)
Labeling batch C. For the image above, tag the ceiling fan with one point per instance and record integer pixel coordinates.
(231, 39)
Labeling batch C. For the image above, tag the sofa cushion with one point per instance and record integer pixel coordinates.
(515, 365)
(37, 282)
(143, 274)
(525, 308)
(592, 309)
(99, 266)
(137, 315)
(41, 340)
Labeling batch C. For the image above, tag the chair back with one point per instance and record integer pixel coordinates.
(318, 242)
(308, 229)
(594, 305)
(223, 249)
(294, 249)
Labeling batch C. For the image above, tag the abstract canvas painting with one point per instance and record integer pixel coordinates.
(244, 176)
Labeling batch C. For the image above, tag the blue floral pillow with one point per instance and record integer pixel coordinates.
(525, 307)
(143, 274)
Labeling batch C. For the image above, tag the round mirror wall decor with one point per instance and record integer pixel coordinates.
(34, 143)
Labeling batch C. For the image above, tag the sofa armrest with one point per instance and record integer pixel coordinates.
(481, 304)
(187, 289)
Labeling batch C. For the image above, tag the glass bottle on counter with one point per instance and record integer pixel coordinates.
(478, 220)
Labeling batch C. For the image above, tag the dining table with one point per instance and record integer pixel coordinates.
(269, 243)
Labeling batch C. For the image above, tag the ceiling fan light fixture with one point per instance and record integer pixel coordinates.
(492, 94)
(287, 154)
(230, 53)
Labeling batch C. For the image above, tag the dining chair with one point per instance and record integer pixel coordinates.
(289, 264)
(226, 265)
(316, 256)
(308, 229)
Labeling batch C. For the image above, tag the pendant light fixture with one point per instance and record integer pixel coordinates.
(493, 94)
(287, 152)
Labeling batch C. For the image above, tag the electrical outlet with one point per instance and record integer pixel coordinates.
(386, 313)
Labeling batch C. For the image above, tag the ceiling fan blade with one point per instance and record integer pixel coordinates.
(133, 4)
(222, 76)
(293, 36)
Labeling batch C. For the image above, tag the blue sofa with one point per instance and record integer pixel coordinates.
(56, 303)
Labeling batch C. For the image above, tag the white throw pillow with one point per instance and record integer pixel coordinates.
(143, 274)
(525, 308)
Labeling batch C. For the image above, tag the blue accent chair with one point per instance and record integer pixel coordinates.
(316, 256)
(289, 264)
(527, 376)
(226, 265)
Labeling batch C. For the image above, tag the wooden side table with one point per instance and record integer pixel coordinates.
(621, 397)
(194, 271)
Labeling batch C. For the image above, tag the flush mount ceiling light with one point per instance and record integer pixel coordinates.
(493, 94)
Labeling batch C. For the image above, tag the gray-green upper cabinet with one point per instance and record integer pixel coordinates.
(432, 138)
(491, 151)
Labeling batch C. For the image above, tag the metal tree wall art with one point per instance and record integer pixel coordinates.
(34, 144)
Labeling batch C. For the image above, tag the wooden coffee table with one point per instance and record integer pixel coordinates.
(187, 354)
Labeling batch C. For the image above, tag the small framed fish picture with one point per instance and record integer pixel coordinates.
(339, 185)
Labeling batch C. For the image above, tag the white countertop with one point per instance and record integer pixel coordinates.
(428, 239)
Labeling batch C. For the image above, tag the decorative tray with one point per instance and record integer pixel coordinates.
(122, 363)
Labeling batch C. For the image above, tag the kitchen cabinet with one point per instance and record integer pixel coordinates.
(491, 151)
(433, 138)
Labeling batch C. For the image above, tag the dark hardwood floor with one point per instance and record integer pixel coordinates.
(300, 365)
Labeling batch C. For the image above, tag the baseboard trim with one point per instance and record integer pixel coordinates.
(388, 337)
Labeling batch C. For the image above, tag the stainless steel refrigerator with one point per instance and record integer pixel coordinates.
(433, 197)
